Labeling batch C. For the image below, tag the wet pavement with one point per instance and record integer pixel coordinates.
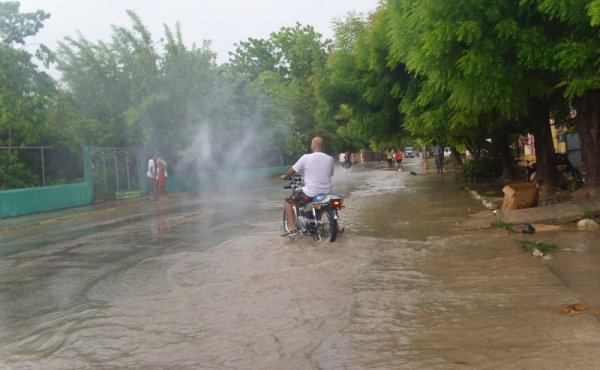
(205, 281)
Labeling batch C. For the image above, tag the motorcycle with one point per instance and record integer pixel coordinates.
(563, 165)
(318, 218)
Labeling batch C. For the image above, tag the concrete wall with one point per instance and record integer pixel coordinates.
(18, 202)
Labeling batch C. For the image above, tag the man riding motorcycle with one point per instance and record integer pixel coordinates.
(318, 168)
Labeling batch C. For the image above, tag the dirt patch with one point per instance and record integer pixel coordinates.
(551, 195)
(577, 308)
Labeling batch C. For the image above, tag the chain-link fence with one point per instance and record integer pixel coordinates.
(26, 167)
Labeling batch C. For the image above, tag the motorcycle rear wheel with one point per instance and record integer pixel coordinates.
(327, 226)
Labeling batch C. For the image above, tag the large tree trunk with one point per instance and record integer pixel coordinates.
(588, 116)
(547, 174)
(502, 148)
(456, 158)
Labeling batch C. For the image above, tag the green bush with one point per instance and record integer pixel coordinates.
(482, 168)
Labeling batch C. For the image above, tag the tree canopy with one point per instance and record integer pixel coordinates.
(413, 70)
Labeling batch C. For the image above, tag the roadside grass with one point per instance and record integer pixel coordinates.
(530, 245)
(588, 214)
(503, 225)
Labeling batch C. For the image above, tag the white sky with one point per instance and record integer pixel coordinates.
(223, 22)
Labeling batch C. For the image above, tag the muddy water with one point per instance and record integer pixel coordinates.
(199, 287)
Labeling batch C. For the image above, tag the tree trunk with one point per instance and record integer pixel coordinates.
(588, 116)
(501, 147)
(546, 174)
(425, 156)
(456, 158)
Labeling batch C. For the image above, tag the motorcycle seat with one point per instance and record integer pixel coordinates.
(319, 197)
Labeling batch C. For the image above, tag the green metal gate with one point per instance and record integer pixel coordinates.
(115, 173)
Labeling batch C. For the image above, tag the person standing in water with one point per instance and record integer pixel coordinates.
(161, 177)
(399, 159)
(438, 153)
(151, 178)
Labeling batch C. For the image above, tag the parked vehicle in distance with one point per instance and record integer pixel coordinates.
(409, 152)
(447, 151)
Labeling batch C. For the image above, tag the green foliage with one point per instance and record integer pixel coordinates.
(482, 168)
(530, 245)
(587, 213)
(575, 184)
(14, 174)
(279, 74)
(348, 29)
(27, 96)
(359, 91)
(15, 27)
(414, 70)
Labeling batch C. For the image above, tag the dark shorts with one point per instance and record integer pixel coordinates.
(439, 160)
(297, 197)
(151, 182)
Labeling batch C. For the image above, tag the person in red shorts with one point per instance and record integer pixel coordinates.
(399, 159)
(161, 180)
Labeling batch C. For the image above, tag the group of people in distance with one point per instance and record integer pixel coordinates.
(344, 159)
(394, 158)
(156, 177)
(437, 152)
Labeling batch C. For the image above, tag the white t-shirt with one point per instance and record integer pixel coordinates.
(318, 169)
(342, 157)
(151, 169)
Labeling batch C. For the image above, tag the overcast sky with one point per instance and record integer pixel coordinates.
(223, 22)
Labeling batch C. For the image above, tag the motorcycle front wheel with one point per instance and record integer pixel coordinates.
(286, 224)
(327, 226)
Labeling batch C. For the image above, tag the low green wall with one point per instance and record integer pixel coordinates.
(18, 202)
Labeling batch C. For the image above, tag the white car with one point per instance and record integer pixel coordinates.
(409, 152)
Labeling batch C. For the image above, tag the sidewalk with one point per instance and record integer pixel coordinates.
(553, 214)
(66, 213)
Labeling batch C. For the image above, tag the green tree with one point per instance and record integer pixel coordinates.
(130, 95)
(361, 91)
(484, 66)
(25, 93)
(283, 70)
(577, 53)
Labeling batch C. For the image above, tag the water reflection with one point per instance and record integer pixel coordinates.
(160, 225)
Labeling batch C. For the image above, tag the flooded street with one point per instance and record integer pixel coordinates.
(209, 283)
